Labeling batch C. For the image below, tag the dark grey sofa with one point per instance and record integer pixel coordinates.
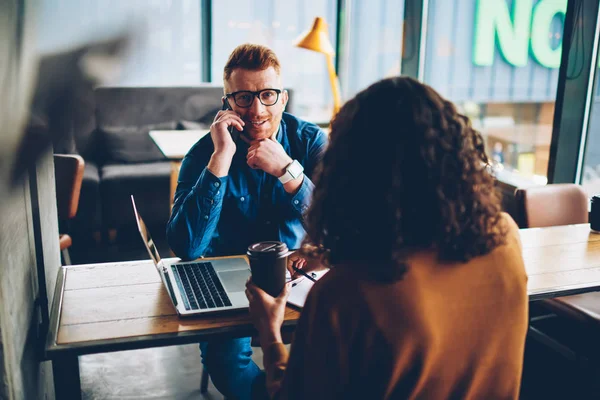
(110, 130)
(111, 133)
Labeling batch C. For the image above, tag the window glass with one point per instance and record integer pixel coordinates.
(277, 24)
(374, 43)
(165, 46)
(498, 61)
(590, 172)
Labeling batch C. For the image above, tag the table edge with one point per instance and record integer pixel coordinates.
(562, 291)
(52, 334)
(55, 350)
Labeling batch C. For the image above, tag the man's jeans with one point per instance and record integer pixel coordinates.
(229, 363)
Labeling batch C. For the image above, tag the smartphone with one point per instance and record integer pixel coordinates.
(232, 131)
(225, 104)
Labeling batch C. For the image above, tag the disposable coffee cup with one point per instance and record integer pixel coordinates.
(268, 263)
(595, 214)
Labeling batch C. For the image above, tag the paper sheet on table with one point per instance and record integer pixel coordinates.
(299, 292)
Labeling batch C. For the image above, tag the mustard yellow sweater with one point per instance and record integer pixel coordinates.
(445, 331)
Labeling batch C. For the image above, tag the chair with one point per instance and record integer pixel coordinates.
(553, 205)
(68, 172)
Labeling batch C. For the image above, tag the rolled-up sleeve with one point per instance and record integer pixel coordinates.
(196, 210)
(300, 201)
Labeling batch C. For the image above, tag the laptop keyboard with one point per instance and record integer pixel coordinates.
(200, 286)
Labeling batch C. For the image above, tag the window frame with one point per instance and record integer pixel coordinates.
(571, 118)
(206, 40)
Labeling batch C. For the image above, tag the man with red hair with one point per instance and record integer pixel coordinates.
(250, 185)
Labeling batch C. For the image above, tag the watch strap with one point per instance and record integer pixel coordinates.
(289, 175)
(285, 178)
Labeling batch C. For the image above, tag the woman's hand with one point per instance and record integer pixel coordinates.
(267, 312)
(295, 261)
(308, 265)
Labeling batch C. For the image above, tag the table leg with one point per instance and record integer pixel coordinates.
(175, 165)
(67, 382)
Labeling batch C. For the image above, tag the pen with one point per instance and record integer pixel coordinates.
(303, 273)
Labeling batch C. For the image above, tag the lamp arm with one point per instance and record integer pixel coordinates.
(335, 84)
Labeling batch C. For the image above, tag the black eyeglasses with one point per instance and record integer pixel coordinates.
(245, 98)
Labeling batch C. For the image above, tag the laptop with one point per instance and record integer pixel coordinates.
(200, 287)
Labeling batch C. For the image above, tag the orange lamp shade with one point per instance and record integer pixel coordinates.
(317, 38)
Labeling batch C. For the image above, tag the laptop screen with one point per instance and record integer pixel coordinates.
(145, 235)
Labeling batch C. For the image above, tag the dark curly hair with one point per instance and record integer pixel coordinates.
(404, 171)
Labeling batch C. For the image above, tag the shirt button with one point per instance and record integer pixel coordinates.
(217, 184)
(206, 217)
(296, 202)
(242, 198)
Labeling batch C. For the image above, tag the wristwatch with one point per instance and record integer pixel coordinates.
(292, 171)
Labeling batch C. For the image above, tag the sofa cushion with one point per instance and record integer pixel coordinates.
(148, 182)
(132, 144)
(202, 121)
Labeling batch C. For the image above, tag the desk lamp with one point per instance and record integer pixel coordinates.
(317, 39)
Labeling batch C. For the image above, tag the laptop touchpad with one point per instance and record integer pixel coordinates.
(234, 281)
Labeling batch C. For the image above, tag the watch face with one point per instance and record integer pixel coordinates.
(295, 169)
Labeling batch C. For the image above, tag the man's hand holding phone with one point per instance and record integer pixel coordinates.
(222, 127)
(221, 134)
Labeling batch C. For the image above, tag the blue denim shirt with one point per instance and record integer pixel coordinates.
(222, 216)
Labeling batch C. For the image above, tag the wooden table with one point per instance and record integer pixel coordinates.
(101, 308)
(175, 145)
(561, 260)
(119, 306)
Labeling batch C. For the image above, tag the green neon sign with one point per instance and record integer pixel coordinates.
(540, 27)
(513, 31)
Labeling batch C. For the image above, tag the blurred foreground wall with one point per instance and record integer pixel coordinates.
(22, 374)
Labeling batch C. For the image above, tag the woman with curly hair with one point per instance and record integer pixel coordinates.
(426, 296)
